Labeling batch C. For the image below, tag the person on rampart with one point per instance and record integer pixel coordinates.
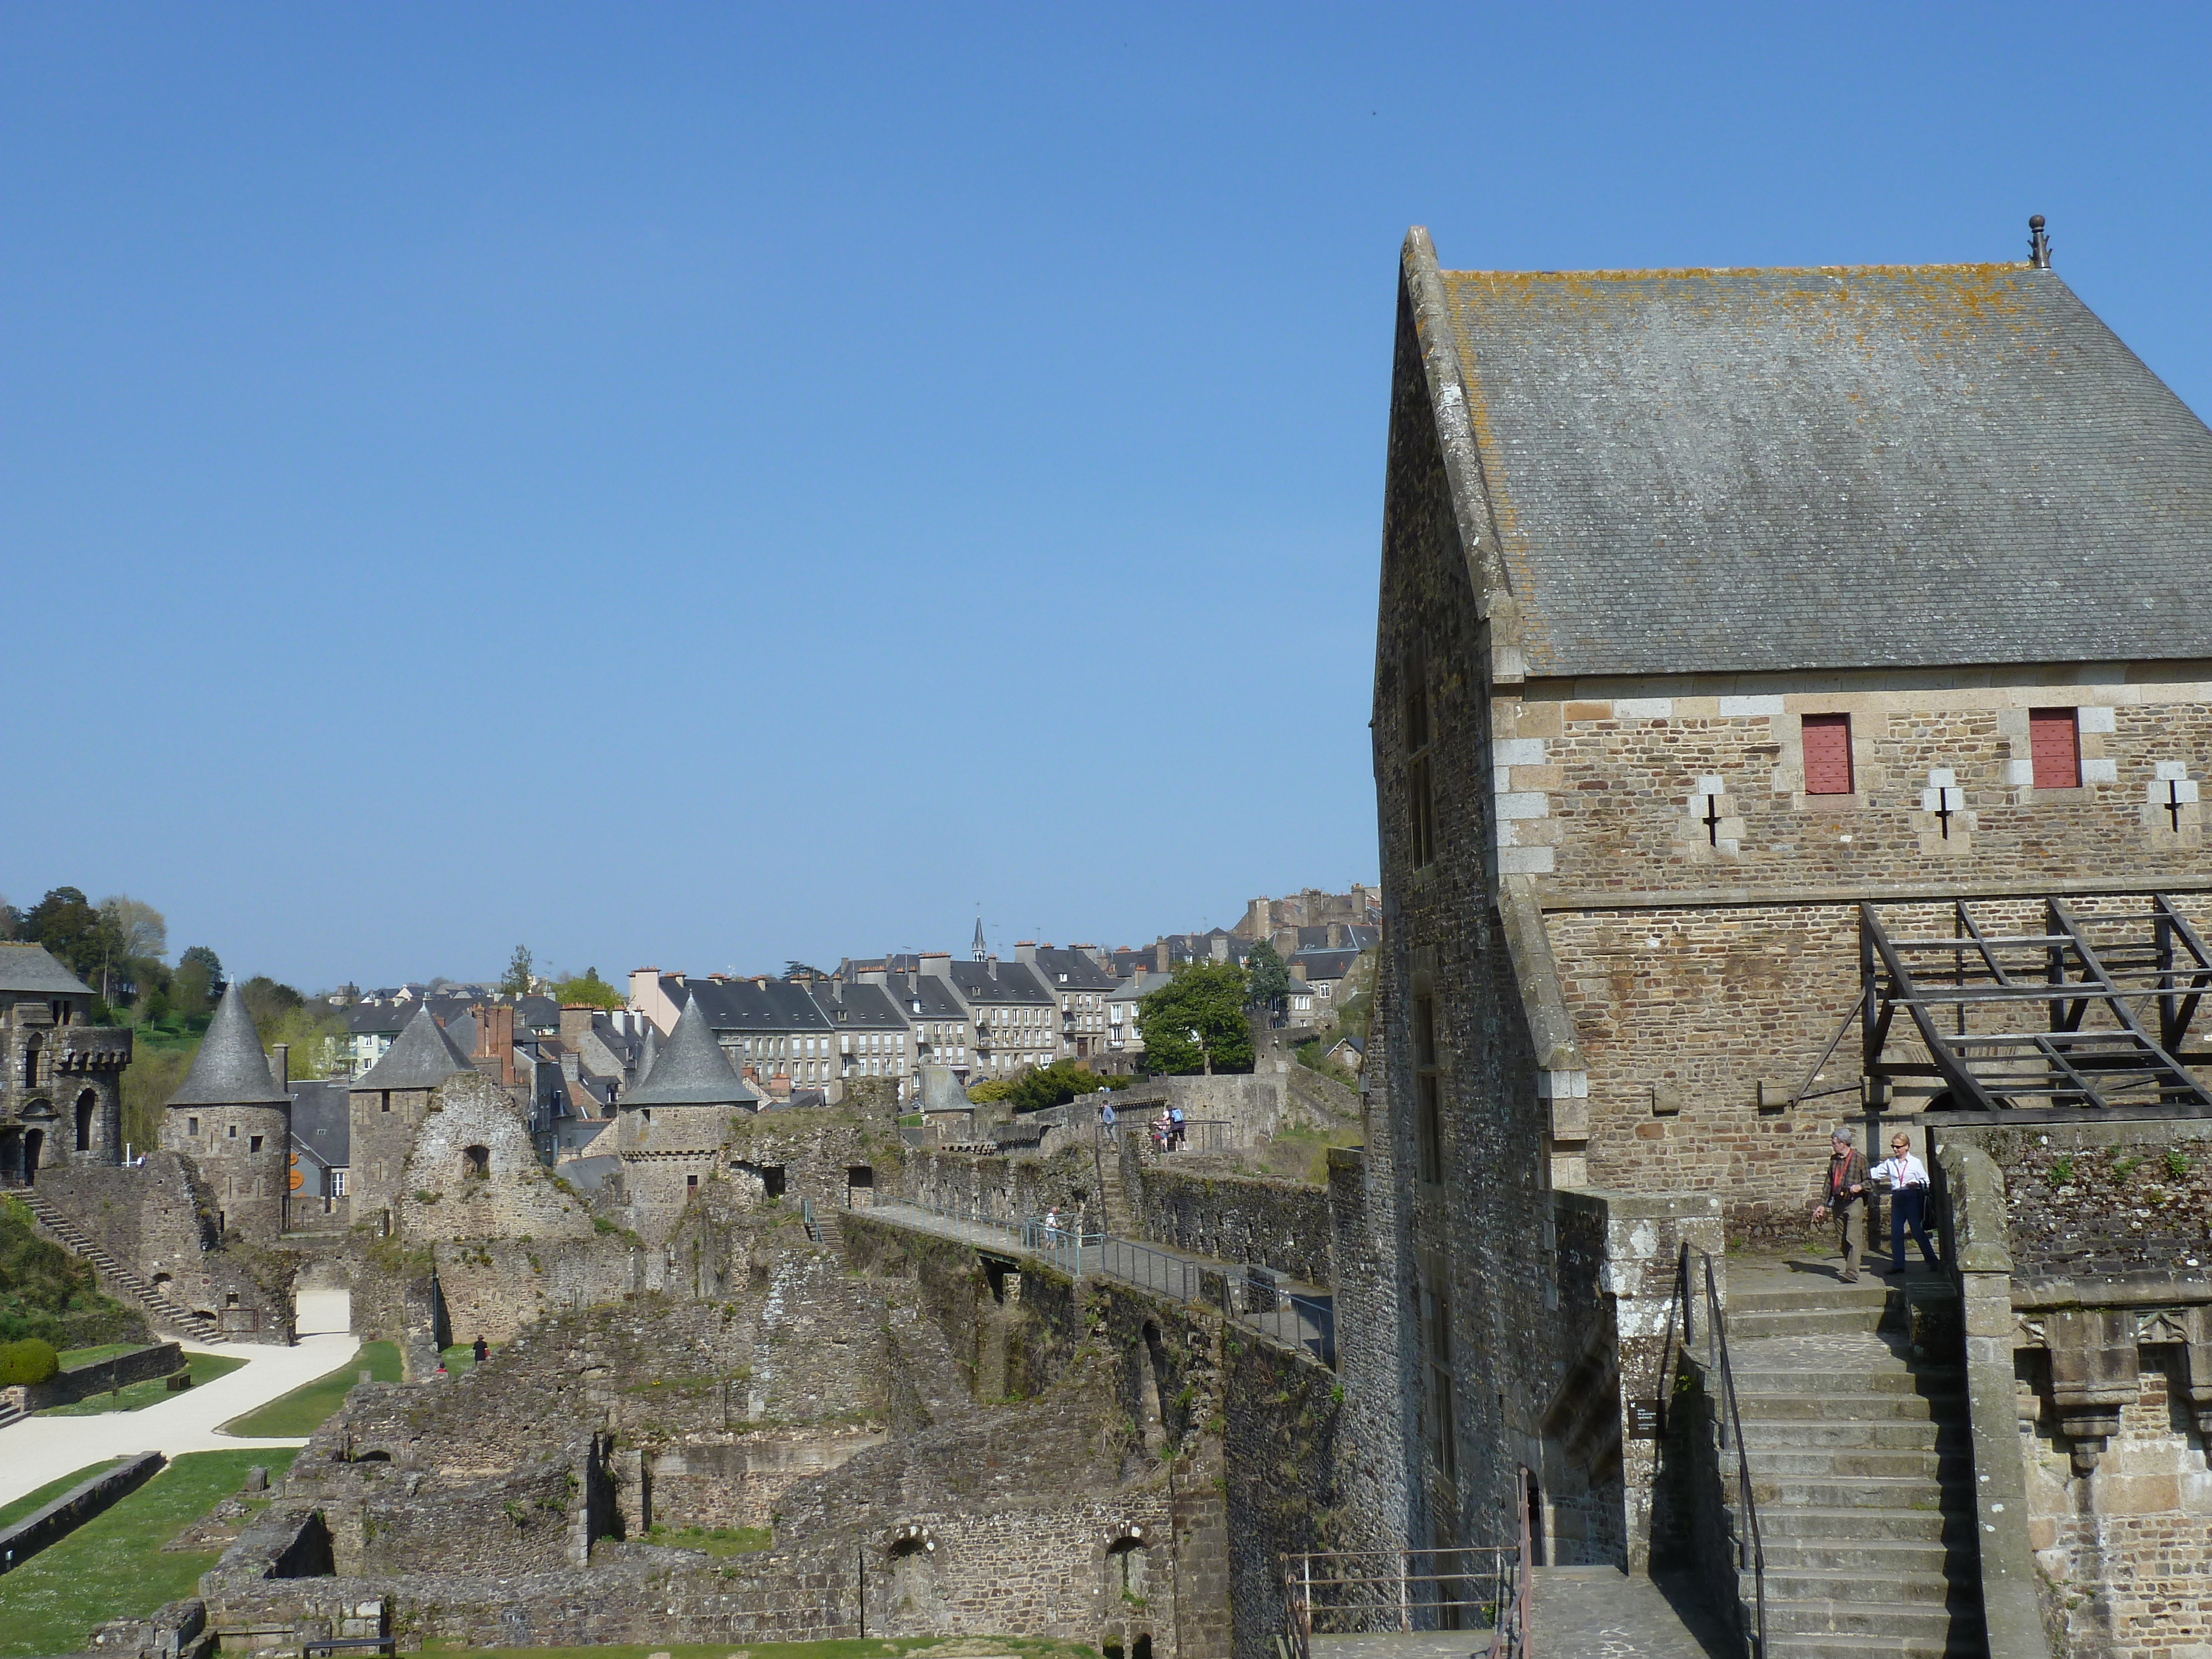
(1843, 1195)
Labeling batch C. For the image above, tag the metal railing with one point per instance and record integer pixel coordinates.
(1297, 1321)
(1750, 1547)
(1060, 1242)
(1467, 1588)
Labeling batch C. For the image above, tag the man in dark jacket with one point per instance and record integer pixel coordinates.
(1843, 1195)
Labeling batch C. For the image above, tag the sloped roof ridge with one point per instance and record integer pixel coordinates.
(230, 1069)
(421, 1057)
(1626, 273)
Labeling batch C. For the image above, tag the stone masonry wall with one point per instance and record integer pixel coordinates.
(1282, 1225)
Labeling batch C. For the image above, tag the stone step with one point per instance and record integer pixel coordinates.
(1773, 1463)
(1884, 1556)
(1763, 1326)
(1851, 1408)
(1754, 1376)
(1858, 1526)
(10, 1412)
(1798, 1644)
(1830, 1293)
(1852, 1586)
(1930, 1621)
(1884, 1433)
(1874, 1492)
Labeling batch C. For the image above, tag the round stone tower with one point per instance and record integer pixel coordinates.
(235, 1124)
(671, 1128)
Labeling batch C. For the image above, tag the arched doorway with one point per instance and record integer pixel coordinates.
(35, 1141)
(88, 1107)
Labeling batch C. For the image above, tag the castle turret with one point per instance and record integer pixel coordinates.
(672, 1127)
(235, 1124)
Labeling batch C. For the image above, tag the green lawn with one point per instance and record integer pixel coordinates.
(204, 1367)
(713, 1541)
(459, 1358)
(1024, 1646)
(73, 1358)
(112, 1567)
(11, 1513)
(302, 1411)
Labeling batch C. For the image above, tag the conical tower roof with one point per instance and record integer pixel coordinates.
(692, 1069)
(230, 1069)
(421, 1057)
(651, 1052)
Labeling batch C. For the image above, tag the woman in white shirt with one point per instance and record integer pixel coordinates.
(1906, 1177)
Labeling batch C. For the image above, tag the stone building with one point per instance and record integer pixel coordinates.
(1081, 986)
(61, 1101)
(1723, 614)
(234, 1120)
(388, 1102)
(944, 1034)
(671, 1129)
(872, 1036)
(1013, 1016)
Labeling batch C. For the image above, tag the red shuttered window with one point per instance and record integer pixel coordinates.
(2054, 739)
(1827, 754)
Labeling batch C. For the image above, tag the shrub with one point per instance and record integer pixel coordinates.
(30, 1360)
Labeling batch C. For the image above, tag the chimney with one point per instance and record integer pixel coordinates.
(875, 976)
(495, 1040)
(280, 1066)
(1336, 936)
(1220, 947)
(576, 1023)
(1159, 955)
(937, 963)
(2039, 245)
(1025, 951)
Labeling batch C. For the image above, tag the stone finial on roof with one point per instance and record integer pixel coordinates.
(692, 1069)
(230, 1069)
(421, 1057)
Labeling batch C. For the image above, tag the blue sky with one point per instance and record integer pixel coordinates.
(703, 486)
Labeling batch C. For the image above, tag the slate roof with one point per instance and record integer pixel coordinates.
(859, 1008)
(1890, 466)
(1139, 985)
(738, 1005)
(1013, 983)
(32, 969)
(934, 995)
(322, 1119)
(1071, 970)
(384, 1021)
(538, 1014)
(421, 1057)
(692, 1069)
(230, 1069)
(1324, 964)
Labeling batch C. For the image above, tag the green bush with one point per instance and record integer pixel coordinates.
(30, 1360)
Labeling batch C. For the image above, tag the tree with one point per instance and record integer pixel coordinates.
(802, 970)
(519, 977)
(73, 930)
(587, 988)
(138, 928)
(268, 1001)
(1268, 981)
(194, 986)
(1195, 1022)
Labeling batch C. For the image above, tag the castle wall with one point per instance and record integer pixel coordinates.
(244, 1155)
(382, 1125)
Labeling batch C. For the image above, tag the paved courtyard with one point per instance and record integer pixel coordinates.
(39, 1449)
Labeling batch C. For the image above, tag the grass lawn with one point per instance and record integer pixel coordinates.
(204, 1368)
(302, 1411)
(112, 1567)
(11, 1513)
(1024, 1647)
(460, 1358)
(73, 1358)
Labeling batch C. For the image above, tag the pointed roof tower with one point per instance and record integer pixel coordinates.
(421, 1057)
(977, 949)
(652, 1052)
(230, 1069)
(692, 1069)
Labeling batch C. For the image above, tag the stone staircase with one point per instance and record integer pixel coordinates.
(1113, 1197)
(163, 1309)
(1861, 1465)
(11, 1413)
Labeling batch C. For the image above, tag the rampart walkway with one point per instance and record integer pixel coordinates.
(1288, 1311)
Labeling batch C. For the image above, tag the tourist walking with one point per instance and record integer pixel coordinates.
(1906, 1177)
(1843, 1195)
(1175, 1127)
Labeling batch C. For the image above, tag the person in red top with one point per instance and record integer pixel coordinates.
(1843, 1195)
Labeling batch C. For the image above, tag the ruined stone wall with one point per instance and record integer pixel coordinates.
(2105, 1199)
(1282, 1225)
(1016, 1185)
(471, 1173)
(381, 1125)
(159, 1219)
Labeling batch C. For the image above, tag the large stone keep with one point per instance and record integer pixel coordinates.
(1714, 606)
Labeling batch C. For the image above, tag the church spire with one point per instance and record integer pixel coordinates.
(977, 949)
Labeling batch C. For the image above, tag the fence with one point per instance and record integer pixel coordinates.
(1200, 1135)
(1462, 1589)
(1059, 1242)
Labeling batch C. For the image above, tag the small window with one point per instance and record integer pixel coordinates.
(1421, 782)
(234, 1132)
(1827, 754)
(191, 1126)
(2054, 743)
(384, 1101)
(253, 1144)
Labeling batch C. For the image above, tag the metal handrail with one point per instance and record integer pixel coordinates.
(1751, 1546)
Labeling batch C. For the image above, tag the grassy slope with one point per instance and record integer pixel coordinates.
(204, 1368)
(112, 1567)
(302, 1411)
(76, 1357)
